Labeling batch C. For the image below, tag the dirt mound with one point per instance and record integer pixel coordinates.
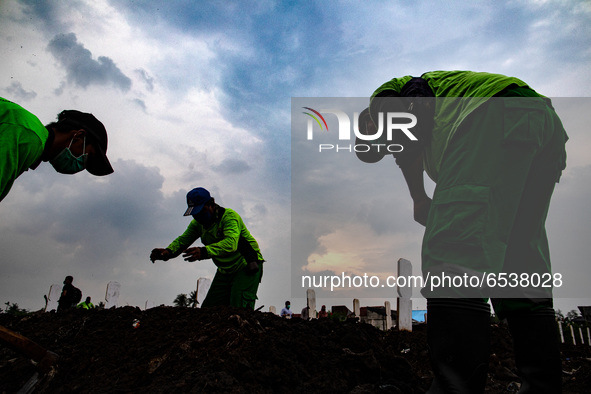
(238, 351)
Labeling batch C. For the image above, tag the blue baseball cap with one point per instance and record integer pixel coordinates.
(196, 199)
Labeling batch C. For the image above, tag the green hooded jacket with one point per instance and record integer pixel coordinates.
(464, 92)
(220, 240)
(22, 140)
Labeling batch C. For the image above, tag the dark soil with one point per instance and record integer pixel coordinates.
(182, 350)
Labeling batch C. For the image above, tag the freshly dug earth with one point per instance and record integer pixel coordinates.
(182, 350)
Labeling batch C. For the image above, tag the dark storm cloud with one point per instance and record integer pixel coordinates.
(17, 93)
(259, 210)
(148, 80)
(46, 12)
(81, 68)
(84, 213)
(89, 227)
(232, 166)
(140, 103)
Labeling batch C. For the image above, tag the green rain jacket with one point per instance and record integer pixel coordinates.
(85, 305)
(220, 240)
(22, 140)
(475, 88)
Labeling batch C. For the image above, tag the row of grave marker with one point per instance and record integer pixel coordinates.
(573, 336)
(404, 321)
(404, 303)
(113, 291)
(111, 296)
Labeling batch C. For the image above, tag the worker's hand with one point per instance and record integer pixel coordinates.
(252, 268)
(194, 254)
(421, 210)
(160, 254)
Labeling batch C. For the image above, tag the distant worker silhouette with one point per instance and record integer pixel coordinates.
(286, 311)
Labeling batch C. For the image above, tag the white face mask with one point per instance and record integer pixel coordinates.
(66, 163)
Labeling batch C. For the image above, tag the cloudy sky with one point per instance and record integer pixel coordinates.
(200, 94)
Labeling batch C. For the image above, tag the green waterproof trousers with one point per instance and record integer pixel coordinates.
(238, 289)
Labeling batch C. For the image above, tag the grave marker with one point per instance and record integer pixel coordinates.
(404, 302)
(561, 332)
(311, 296)
(55, 291)
(388, 315)
(203, 285)
(356, 308)
(112, 294)
(273, 310)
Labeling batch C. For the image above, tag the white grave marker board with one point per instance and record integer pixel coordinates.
(311, 296)
(388, 315)
(112, 294)
(356, 308)
(203, 285)
(55, 291)
(404, 303)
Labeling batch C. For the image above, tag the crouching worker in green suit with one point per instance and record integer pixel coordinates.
(495, 149)
(228, 243)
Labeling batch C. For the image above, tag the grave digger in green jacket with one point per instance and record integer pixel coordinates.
(495, 149)
(76, 142)
(227, 242)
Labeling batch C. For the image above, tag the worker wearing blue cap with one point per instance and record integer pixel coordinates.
(227, 242)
